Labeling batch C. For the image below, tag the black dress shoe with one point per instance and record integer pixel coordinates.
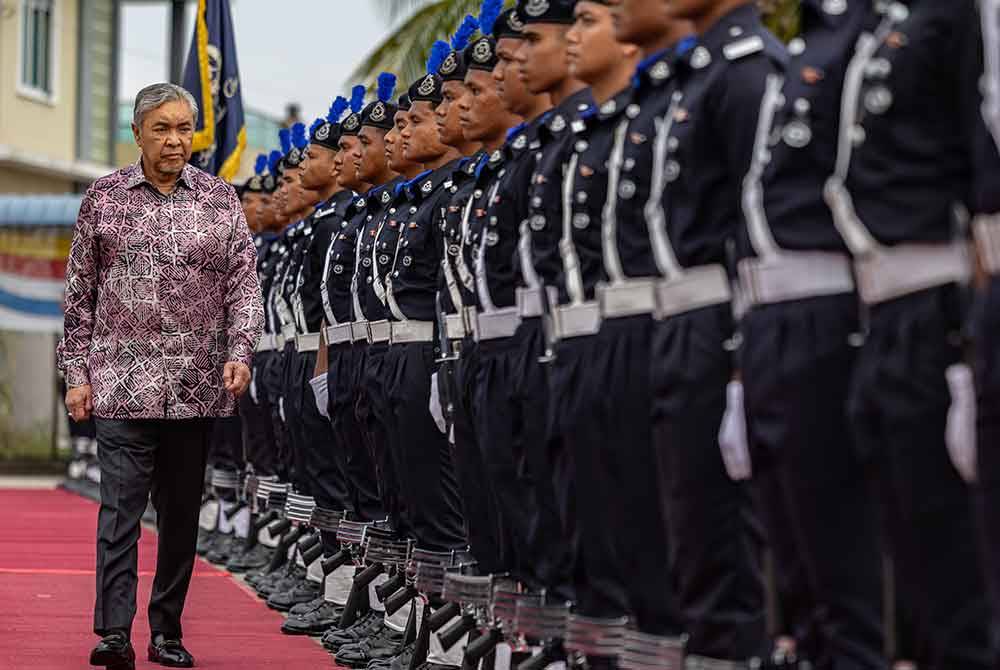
(315, 622)
(386, 643)
(169, 652)
(302, 592)
(114, 652)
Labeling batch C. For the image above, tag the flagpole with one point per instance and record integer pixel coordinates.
(177, 50)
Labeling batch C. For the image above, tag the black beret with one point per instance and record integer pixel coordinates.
(481, 54)
(327, 135)
(427, 89)
(379, 114)
(254, 184)
(351, 125)
(269, 185)
(453, 68)
(545, 11)
(404, 103)
(508, 25)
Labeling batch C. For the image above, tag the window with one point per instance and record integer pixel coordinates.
(37, 42)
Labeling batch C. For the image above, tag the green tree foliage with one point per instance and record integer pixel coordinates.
(417, 23)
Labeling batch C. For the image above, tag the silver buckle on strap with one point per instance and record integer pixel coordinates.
(379, 331)
(628, 298)
(288, 333)
(338, 334)
(359, 331)
(404, 332)
(576, 320)
(794, 276)
(987, 233)
(698, 287)
(266, 343)
(454, 326)
(496, 325)
(530, 302)
(307, 342)
(892, 272)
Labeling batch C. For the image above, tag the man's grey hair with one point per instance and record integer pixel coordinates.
(155, 95)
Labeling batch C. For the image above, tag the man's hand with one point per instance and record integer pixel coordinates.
(236, 378)
(79, 402)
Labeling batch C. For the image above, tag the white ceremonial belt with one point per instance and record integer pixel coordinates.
(698, 287)
(631, 297)
(794, 275)
(266, 343)
(530, 302)
(359, 331)
(892, 272)
(987, 232)
(576, 320)
(379, 331)
(288, 333)
(497, 324)
(404, 332)
(338, 334)
(307, 342)
(454, 326)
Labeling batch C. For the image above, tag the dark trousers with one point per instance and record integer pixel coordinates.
(420, 451)
(362, 487)
(292, 395)
(139, 459)
(258, 430)
(987, 324)
(715, 536)
(515, 395)
(797, 367)
(226, 449)
(374, 417)
(271, 371)
(899, 406)
(479, 503)
(324, 459)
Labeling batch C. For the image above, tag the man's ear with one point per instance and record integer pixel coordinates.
(137, 134)
(630, 51)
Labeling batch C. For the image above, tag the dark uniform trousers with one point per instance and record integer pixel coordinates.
(225, 452)
(140, 458)
(362, 486)
(374, 416)
(714, 535)
(899, 406)
(489, 540)
(323, 457)
(987, 369)
(797, 365)
(421, 453)
(271, 378)
(259, 444)
(519, 400)
(292, 395)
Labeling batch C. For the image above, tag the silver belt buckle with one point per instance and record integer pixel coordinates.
(987, 233)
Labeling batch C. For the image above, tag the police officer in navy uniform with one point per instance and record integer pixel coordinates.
(899, 191)
(800, 337)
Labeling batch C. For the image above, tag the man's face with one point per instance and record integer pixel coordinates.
(394, 143)
(350, 146)
(482, 112)
(541, 57)
(249, 204)
(421, 139)
(515, 97)
(165, 137)
(318, 169)
(294, 198)
(265, 212)
(592, 50)
(371, 163)
(447, 114)
(641, 21)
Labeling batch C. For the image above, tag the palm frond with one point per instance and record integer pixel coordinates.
(783, 17)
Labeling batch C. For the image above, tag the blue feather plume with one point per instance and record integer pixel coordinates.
(337, 109)
(386, 86)
(357, 98)
(285, 137)
(272, 161)
(260, 164)
(299, 137)
(488, 14)
(465, 31)
(439, 51)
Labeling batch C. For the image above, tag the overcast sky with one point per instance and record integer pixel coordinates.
(303, 54)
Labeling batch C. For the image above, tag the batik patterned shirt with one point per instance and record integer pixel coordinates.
(161, 291)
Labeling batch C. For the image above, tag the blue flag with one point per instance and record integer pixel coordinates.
(213, 77)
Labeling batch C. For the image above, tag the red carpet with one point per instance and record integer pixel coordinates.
(47, 595)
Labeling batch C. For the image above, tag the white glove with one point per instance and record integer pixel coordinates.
(960, 431)
(733, 435)
(319, 391)
(435, 404)
(281, 408)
